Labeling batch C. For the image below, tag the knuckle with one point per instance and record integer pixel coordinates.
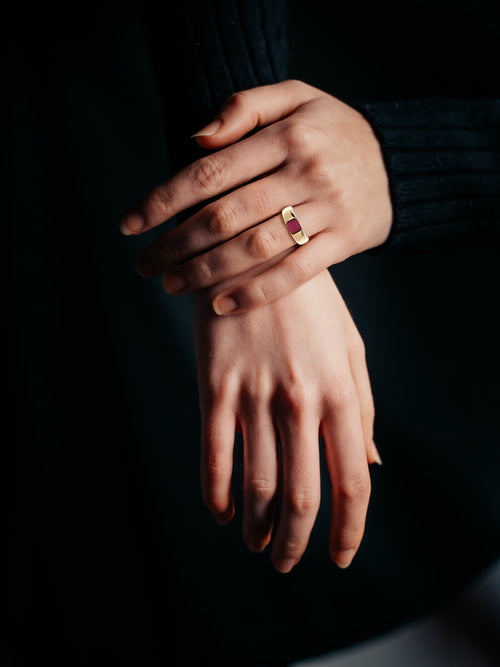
(218, 389)
(201, 272)
(299, 86)
(222, 219)
(356, 487)
(208, 174)
(261, 244)
(301, 502)
(256, 294)
(159, 202)
(237, 100)
(301, 138)
(261, 488)
(216, 462)
(294, 397)
(344, 395)
(321, 172)
(302, 269)
(241, 103)
(257, 389)
(291, 549)
(295, 83)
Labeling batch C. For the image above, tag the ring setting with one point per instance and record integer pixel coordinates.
(294, 226)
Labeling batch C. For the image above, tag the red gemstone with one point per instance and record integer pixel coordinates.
(293, 226)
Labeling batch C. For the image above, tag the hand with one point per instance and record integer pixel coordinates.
(289, 372)
(314, 152)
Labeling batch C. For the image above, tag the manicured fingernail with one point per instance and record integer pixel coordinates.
(209, 130)
(173, 283)
(344, 558)
(132, 224)
(376, 455)
(224, 304)
(284, 565)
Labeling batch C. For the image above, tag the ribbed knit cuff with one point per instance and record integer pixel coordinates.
(231, 46)
(443, 163)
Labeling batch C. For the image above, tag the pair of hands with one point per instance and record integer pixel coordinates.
(287, 364)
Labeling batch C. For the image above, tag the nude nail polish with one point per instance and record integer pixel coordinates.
(224, 305)
(209, 130)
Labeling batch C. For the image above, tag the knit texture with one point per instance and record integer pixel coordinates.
(443, 161)
(230, 46)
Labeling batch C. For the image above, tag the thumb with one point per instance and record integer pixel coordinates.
(255, 107)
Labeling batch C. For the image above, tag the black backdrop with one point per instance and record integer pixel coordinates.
(112, 558)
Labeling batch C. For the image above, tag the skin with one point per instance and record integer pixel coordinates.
(314, 152)
(288, 365)
(270, 373)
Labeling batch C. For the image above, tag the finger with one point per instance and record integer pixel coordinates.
(297, 268)
(209, 176)
(300, 497)
(359, 371)
(260, 481)
(219, 221)
(255, 107)
(245, 252)
(218, 424)
(348, 468)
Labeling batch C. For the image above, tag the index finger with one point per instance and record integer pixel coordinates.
(209, 176)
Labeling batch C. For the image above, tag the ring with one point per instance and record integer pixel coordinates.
(294, 226)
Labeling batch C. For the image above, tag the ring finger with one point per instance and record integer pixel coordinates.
(260, 476)
(221, 220)
(300, 491)
(254, 247)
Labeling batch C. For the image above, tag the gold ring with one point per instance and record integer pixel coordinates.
(294, 226)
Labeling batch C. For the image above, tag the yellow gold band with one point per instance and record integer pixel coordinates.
(294, 226)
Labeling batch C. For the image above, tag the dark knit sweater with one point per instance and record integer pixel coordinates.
(443, 161)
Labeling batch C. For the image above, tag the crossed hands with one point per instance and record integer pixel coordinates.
(286, 365)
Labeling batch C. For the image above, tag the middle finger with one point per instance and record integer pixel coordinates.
(300, 489)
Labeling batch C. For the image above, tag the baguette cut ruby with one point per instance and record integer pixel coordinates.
(293, 226)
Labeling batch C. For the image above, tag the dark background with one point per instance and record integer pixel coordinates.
(106, 532)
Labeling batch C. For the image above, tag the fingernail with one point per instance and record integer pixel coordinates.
(376, 455)
(173, 282)
(209, 130)
(284, 565)
(132, 224)
(224, 304)
(256, 547)
(344, 558)
(224, 517)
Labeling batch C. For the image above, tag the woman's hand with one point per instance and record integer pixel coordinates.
(287, 372)
(314, 152)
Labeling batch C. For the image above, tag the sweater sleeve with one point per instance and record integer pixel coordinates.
(443, 162)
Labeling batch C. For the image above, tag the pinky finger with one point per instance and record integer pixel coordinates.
(359, 371)
(294, 270)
